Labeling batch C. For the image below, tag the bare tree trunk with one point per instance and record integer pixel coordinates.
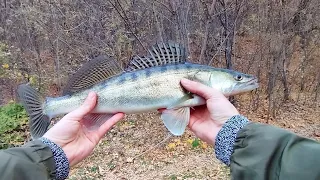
(317, 89)
(209, 14)
(159, 30)
(185, 4)
(283, 56)
(228, 35)
(117, 5)
(284, 78)
(57, 60)
(229, 22)
(256, 98)
(174, 18)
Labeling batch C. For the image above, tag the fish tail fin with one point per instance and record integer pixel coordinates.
(32, 102)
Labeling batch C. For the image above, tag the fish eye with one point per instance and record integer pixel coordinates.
(238, 77)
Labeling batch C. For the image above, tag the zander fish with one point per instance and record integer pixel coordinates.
(149, 83)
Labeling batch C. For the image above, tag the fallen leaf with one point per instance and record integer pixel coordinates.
(130, 160)
(189, 141)
(177, 141)
(5, 66)
(101, 170)
(171, 146)
(204, 145)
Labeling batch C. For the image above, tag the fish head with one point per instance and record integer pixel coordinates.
(231, 82)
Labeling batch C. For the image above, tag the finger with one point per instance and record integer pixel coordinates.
(200, 89)
(104, 128)
(87, 106)
(194, 114)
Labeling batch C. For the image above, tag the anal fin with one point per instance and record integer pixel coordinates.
(176, 120)
(94, 121)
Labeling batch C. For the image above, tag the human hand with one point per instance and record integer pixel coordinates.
(207, 120)
(73, 137)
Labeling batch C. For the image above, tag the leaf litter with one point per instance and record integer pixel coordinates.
(139, 148)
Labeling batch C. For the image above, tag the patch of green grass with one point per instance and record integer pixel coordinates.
(94, 169)
(191, 175)
(111, 165)
(13, 121)
(131, 122)
(187, 175)
(195, 143)
(173, 177)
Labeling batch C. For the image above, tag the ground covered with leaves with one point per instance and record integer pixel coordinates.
(139, 147)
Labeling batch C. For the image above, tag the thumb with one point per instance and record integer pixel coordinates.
(85, 108)
(201, 89)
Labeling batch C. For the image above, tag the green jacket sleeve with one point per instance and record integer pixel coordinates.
(32, 161)
(260, 151)
(266, 152)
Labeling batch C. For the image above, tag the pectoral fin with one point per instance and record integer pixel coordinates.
(176, 120)
(94, 121)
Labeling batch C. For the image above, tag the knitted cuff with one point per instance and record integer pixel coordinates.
(60, 158)
(226, 137)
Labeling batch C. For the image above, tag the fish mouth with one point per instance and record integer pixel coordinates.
(253, 82)
(250, 85)
(240, 88)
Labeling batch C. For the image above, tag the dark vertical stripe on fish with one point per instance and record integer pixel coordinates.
(148, 72)
(134, 76)
(163, 69)
(122, 79)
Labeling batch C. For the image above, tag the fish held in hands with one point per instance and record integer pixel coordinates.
(148, 83)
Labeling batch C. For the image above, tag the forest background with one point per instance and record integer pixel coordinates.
(43, 42)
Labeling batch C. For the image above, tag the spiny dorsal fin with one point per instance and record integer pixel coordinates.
(92, 72)
(159, 54)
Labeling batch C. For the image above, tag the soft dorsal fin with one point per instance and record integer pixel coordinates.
(159, 54)
(92, 72)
